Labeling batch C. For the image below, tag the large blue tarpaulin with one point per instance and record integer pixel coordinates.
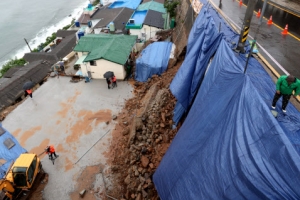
(230, 146)
(9, 155)
(203, 40)
(154, 60)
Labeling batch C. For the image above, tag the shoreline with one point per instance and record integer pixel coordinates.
(40, 36)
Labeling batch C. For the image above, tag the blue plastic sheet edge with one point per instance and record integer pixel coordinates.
(9, 155)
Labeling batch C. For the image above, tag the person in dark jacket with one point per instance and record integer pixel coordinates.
(108, 81)
(285, 87)
(129, 66)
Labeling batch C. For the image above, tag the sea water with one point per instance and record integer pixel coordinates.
(34, 20)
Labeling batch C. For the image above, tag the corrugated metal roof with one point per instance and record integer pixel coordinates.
(153, 5)
(84, 18)
(107, 16)
(154, 19)
(64, 33)
(115, 48)
(123, 17)
(117, 15)
(12, 88)
(159, 1)
(11, 71)
(60, 51)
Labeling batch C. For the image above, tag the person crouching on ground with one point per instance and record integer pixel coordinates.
(51, 151)
(108, 81)
(114, 81)
(284, 87)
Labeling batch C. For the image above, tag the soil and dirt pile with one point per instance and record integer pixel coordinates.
(142, 137)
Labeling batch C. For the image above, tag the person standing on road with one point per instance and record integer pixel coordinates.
(285, 87)
(108, 81)
(129, 66)
(62, 66)
(56, 70)
(51, 151)
(61, 63)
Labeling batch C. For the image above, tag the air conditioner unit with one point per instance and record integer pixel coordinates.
(143, 34)
(131, 21)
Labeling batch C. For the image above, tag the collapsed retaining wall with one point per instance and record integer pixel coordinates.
(184, 21)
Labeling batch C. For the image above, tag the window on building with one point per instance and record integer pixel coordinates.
(93, 63)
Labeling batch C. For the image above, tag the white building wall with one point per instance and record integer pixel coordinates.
(101, 67)
(150, 32)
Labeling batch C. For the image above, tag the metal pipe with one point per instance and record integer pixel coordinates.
(28, 45)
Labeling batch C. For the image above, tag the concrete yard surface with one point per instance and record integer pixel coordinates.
(72, 117)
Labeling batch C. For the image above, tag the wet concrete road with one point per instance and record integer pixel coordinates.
(72, 117)
(282, 52)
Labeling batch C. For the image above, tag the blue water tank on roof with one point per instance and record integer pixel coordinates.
(90, 5)
(80, 34)
(77, 24)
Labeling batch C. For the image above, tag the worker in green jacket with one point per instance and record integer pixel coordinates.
(285, 87)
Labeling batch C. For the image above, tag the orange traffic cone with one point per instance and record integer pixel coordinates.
(241, 3)
(258, 14)
(270, 22)
(285, 31)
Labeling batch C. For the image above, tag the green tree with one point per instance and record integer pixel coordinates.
(96, 2)
(171, 6)
(68, 26)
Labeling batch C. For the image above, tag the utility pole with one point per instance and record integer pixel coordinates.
(257, 30)
(246, 25)
(28, 45)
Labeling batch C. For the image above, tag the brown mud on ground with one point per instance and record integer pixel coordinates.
(41, 148)
(83, 126)
(86, 181)
(38, 192)
(27, 134)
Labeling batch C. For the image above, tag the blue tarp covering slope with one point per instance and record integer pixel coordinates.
(203, 41)
(9, 155)
(209, 22)
(154, 60)
(230, 145)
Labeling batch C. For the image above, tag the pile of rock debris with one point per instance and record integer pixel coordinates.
(145, 135)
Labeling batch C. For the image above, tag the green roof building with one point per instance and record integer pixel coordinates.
(152, 5)
(104, 52)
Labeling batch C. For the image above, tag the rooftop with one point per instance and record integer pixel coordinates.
(154, 19)
(138, 20)
(132, 4)
(84, 18)
(117, 15)
(114, 48)
(153, 5)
